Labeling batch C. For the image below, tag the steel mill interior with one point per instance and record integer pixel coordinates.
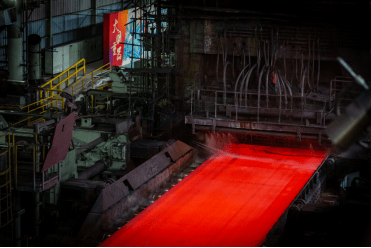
(185, 123)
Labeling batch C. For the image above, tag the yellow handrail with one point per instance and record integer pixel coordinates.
(91, 74)
(42, 106)
(29, 105)
(51, 89)
(47, 94)
(40, 119)
(102, 87)
(30, 117)
(62, 73)
(58, 85)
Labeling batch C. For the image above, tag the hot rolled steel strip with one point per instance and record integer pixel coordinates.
(233, 199)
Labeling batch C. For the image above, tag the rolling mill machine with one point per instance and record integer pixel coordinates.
(260, 86)
(233, 124)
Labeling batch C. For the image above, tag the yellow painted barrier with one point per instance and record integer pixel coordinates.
(81, 81)
(47, 90)
(48, 94)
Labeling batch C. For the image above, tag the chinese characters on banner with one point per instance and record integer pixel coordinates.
(114, 31)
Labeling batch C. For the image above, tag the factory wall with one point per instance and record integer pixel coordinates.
(72, 20)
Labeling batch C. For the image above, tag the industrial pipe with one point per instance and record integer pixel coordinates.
(288, 87)
(225, 83)
(235, 89)
(97, 168)
(15, 46)
(282, 84)
(239, 76)
(34, 57)
(12, 112)
(319, 63)
(266, 86)
(259, 85)
(247, 84)
(242, 83)
(217, 63)
(280, 107)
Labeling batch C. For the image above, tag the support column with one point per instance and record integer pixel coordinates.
(15, 46)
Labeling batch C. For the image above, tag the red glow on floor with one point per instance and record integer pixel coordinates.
(227, 201)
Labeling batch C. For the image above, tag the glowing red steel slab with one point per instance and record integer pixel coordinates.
(227, 201)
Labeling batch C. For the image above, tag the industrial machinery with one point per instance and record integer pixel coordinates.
(92, 145)
(263, 79)
(226, 119)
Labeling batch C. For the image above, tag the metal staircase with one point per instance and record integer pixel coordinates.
(48, 94)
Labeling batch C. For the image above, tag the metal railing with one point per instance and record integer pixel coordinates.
(58, 86)
(243, 101)
(104, 86)
(39, 178)
(46, 92)
(80, 83)
(42, 107)
(49, 94)
(6, 185)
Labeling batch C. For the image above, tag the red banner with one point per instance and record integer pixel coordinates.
(113, 34)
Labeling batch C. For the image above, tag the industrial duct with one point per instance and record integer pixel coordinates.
(34, 46)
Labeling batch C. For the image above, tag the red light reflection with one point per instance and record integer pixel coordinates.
(227, 201)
